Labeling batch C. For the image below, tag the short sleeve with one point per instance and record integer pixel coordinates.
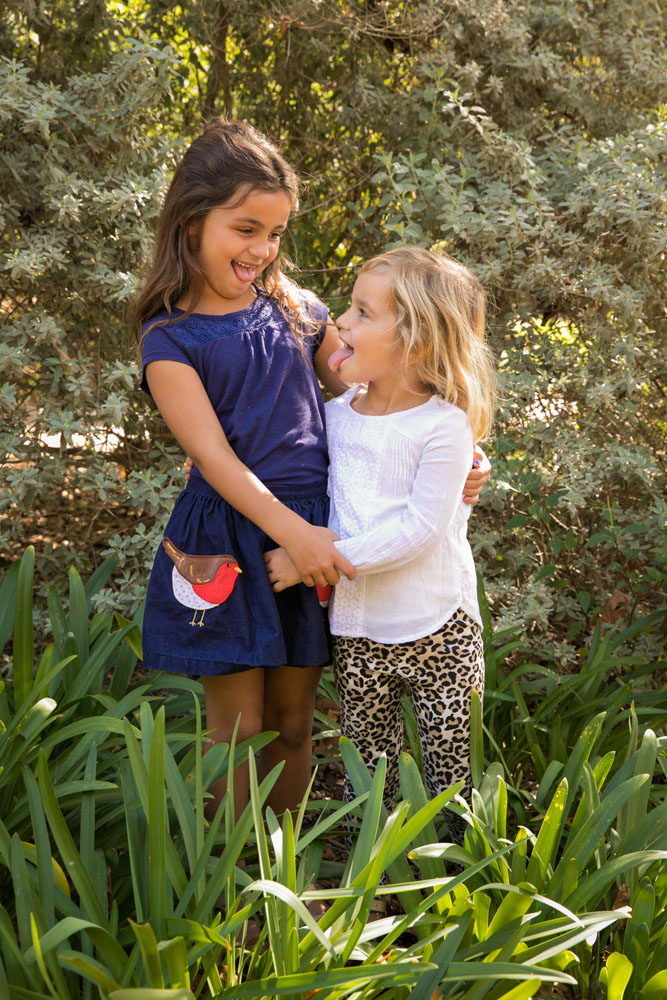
(161, 344)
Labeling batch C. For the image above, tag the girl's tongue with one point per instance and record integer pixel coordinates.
(244, 272)
(337, 358)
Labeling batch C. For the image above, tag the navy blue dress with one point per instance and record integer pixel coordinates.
(210, 609)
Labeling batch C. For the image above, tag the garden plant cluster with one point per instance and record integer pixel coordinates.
(119, 888)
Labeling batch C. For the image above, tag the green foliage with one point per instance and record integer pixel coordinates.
(542, 723)
(114, 885)
(81, 187)
(527, 140)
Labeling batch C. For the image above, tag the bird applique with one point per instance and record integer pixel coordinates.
(201, 582)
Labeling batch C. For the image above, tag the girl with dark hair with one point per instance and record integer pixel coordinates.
(231, 352)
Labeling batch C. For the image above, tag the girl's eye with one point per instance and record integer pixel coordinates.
(245, 232)
(276, 236)
(362, 312)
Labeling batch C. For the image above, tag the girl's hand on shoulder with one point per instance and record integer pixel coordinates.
(188, 467)
(477, 478)
(281, 570)
(316, 558)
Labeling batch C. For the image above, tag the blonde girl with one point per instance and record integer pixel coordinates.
(400, 445)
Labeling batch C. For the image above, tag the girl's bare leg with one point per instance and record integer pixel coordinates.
(228, 697)
(289, 705)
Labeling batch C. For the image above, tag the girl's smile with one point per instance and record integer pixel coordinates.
(235, 245)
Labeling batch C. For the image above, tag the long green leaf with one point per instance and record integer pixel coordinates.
(53, 976)
(512, 908)
(136, 839)
(183, 806)
(88, 678)
(45, 873)
(87, 821)
(22, 669)
(365, 840)
(143, 993)
(582, 751)
(199, 805)
(650, 834)
(89, 968)
(175, 955)
(558, 940)
(522, 991)
(619, 971)
(140, 773)
(157, 830)
(63, 838)
(589, 892)
(148, 945)
(546, 845)
(476, 739)
(22, 892)
(633, 813)
(276, 943)
(127, 658)
(39, 958)
(104, 941)
(588, 839)
(293, 901)
(77, 618)
(412, 789)
(18, 971)
(301, 983)
(8, 590)
(461, 971)
(225, 865)
(655, 988)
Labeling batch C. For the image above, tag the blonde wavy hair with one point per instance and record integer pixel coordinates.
(441, 311)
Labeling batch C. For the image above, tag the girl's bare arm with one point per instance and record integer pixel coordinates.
(187, 411)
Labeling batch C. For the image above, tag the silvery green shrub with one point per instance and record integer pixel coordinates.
(527, 140)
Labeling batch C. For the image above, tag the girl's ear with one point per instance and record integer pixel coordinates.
(193, 238)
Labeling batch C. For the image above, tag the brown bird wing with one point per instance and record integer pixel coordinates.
(195, 569)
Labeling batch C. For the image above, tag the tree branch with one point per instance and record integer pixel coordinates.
(218, 73)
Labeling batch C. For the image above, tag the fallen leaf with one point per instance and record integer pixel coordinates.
(615, 607)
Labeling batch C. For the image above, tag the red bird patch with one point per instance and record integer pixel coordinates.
(201, 582)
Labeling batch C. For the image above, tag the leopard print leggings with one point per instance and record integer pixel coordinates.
(438, 673)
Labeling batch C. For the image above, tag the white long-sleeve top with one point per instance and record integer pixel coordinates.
(395, 483)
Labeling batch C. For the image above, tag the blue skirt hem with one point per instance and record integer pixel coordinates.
(206, 668)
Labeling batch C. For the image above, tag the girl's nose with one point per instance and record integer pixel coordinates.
(260, 249)
(342, 319)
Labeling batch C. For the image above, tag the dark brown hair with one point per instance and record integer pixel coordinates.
(225, 162)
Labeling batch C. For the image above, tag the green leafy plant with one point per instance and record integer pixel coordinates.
(118, 887)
